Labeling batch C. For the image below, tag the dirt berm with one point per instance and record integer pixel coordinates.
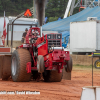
(83, 59)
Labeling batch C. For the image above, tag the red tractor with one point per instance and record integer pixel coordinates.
(44, 55)
(41, 54)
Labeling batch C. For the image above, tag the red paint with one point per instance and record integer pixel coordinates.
(81, 7)
(29, 33)
(81, 3)
(53, 59)
(43, 50)
(28, 13)
(3, 49)
(28, 67)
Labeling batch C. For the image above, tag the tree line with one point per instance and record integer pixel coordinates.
(14, 7)
(54, 8)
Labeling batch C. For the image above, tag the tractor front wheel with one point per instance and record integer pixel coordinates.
(52, 76)
(69, 65)
(20, 58)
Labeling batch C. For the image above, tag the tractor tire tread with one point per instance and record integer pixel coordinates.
(23, 57)
(52, 76)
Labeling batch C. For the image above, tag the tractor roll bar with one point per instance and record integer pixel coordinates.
(12, 31)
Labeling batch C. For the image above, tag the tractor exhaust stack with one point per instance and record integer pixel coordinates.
(39, 6)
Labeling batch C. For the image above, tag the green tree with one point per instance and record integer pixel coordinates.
(56, 8)
(52, 19)
(14, 7)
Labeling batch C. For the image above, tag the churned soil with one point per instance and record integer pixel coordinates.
(64, 90)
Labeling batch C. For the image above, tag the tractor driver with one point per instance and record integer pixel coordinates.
(24, 35)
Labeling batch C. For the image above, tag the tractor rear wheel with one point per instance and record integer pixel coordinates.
(52, 76)
(5, 68)
(20, 58)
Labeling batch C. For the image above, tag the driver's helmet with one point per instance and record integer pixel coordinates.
(26, 29)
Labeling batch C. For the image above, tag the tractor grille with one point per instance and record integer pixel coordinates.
(55, 43)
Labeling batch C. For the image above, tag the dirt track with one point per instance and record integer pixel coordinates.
(64, 90)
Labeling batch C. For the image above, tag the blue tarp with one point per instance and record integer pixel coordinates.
(63, 25)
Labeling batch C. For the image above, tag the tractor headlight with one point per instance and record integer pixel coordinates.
(59, 36)
(49, 36)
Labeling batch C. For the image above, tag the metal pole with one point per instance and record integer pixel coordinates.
(86, 3)
(92, 71)
(40, 31)
(7, 33)
(33, 8)
(67, 8)
(12, 37)
(12, 32)
(72, 7)
(98, 2)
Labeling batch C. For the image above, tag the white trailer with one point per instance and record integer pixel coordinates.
(85, 36)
